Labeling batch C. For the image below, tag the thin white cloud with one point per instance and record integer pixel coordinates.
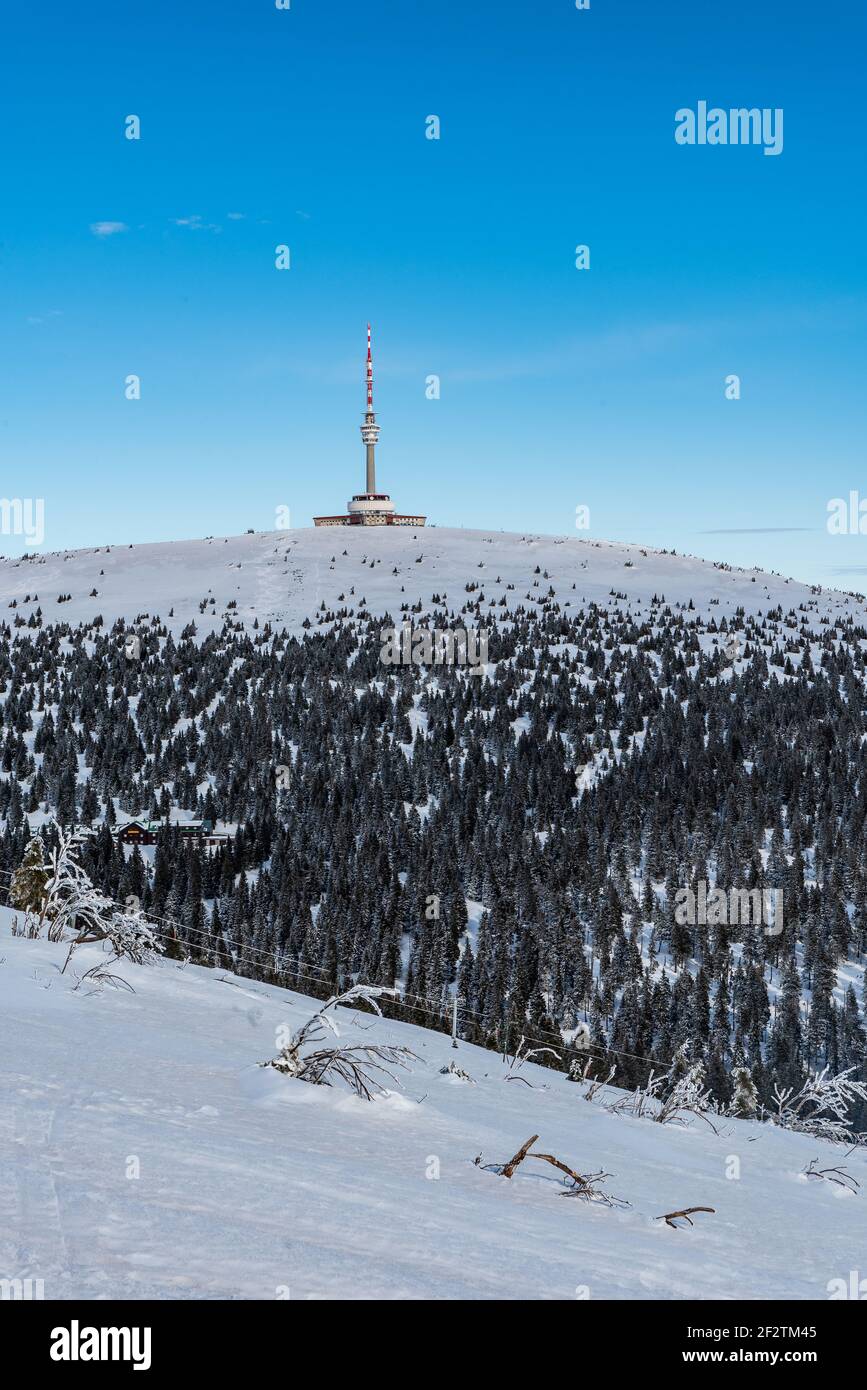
(195, 224)
(236, 216)
(103, 229)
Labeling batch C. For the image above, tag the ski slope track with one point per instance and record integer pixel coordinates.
(283, 577)
(254, 1185)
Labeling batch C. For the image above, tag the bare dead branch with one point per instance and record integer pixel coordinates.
(589, 1189)
(519, 1156)
(570, 1173)
(524, 1054)
(584, 1185)
(841, 1176)
(594, 1083)
(670, 1217)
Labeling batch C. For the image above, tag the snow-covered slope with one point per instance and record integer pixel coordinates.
(144, 1154)
(284, 576)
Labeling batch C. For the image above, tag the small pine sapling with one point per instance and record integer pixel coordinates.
(744, 1103)
(27, 889)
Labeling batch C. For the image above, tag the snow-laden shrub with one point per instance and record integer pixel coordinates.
(72, 909)
(821, 1107)
(454, 1070)
(688, 1095)
(360, 1066)
(680, 1091)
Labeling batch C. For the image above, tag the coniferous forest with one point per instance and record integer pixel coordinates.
(517, 839)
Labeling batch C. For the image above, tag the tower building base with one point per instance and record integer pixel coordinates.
(370, 509)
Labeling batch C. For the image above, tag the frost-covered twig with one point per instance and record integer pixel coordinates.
(321, 1023)
(524, 1054)
(361, 1066)
(100, 975)
(454, 1070)
(687, 1095)
(821, 1107)
(595, 1084)
(126, 933)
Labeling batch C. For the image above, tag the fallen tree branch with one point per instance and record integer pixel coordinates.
(840, 1176)
(519, 1156)
(585, 1185)
(549, 1158)
(589, 1190)
(670, 1217)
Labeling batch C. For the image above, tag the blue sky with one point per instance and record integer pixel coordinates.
(559, 387)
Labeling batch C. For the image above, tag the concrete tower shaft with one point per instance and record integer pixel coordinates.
(370, 429)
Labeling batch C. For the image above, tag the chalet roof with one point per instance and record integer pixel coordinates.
(194, 827)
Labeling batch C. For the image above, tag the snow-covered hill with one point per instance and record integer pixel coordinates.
(144, 1154)
(285, 576)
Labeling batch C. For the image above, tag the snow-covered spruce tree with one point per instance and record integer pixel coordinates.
(681, 1065)
(745, 1102)
(27, 889)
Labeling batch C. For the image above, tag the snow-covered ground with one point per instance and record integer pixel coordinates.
(144, 1154)
(283, 577)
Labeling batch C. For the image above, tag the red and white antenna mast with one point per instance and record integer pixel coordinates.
(370, 429)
